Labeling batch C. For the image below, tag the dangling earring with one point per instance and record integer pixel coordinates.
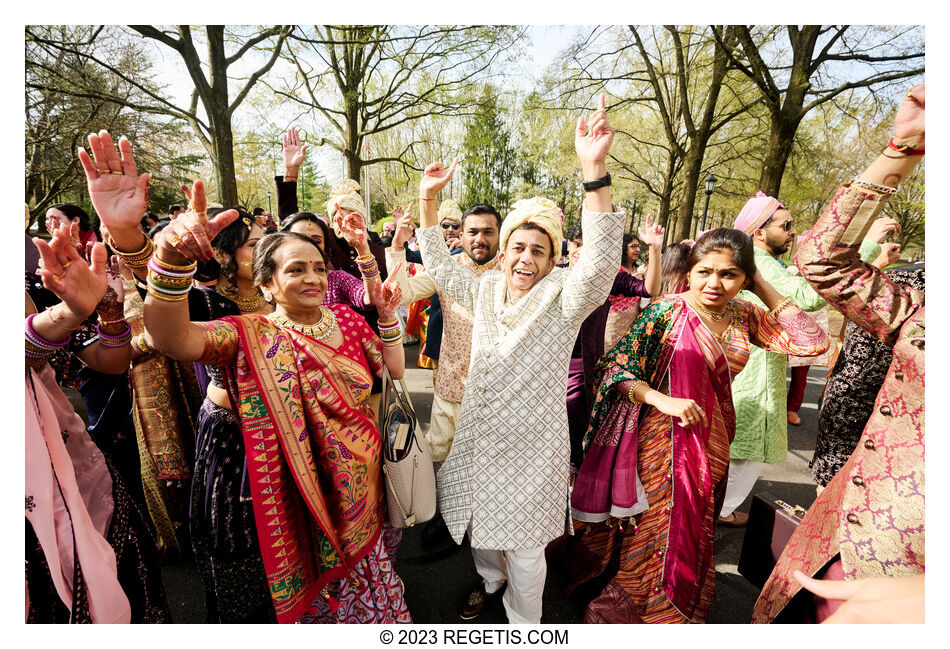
(267, 294)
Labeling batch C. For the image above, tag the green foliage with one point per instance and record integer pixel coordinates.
(489, 157)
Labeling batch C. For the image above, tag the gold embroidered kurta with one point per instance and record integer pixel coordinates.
(872, 512)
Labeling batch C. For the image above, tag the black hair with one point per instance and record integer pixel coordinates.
(72, 211)
(534, 226)
(481, 208)
(329, 238)
(158, 227)
(175, 208)
(228, 240)
(575, 232)
(736, 242)
(673, 268)
(266, 248)
(627, 238)
(257, 211)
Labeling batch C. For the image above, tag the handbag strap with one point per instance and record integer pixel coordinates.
(402, 383)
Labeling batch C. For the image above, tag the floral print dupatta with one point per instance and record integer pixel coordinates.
(313, 454)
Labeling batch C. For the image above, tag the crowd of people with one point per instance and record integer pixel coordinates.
(594, 407)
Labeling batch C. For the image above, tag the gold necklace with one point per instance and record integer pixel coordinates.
(712, 314)
(250, 304)
(321, 330)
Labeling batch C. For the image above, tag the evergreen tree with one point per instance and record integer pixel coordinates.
(489, 157)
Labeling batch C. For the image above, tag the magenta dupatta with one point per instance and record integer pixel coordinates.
(607, 483)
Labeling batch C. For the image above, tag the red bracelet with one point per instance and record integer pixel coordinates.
(426, 199)
(904, 148)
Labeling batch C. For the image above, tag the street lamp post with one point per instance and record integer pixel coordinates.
(269, 211)
(710, 188)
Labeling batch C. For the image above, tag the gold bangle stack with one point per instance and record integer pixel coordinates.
(134, 260)
(783, 304)
(630, 391)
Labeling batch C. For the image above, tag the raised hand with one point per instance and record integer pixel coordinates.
(593, 136)
(435, 177)
(651, 234)
(909, 122)
(118, 193)
(189, 236)
(387, 295)
(404, 228)
(294, 153)
(78, 283)
(352, 226)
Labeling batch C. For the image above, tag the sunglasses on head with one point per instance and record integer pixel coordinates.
(453, 226)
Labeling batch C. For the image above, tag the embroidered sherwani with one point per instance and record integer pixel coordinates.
(507, 472)
(760, 392)
(452, 370)
(872, 512)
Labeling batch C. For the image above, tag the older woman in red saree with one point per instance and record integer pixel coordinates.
(300, 380)
(650, 488)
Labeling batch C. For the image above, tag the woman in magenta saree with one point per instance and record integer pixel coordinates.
(300, 380)
(648, 493)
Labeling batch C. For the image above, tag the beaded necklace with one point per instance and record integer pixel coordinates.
(321, 330)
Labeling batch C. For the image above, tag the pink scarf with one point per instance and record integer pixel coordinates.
(69, 500)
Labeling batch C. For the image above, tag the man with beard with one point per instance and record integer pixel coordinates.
(480, 225)
(759, 392)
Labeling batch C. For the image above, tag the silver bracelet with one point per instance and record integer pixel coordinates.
(874, 187)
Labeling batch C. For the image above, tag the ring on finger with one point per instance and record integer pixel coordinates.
(104, 171)
(65, 264)
(174, 240)
(60, 276)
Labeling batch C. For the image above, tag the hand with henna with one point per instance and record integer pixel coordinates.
(188, 238)
(387, 295)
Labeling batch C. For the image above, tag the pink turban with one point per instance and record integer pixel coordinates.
(757, 211)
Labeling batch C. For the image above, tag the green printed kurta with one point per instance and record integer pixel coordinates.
(760, 392)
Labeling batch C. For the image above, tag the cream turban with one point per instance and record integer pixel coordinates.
(347, 196)
(539, 211)
(449, 210)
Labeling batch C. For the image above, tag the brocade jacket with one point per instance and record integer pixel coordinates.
(872, 512)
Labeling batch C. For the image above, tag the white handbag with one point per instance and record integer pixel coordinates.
(407, 463)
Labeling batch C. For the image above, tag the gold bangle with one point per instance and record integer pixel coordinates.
(176, 269)
(630, 391)
(783, 304)
(137, 260)
(166, 298)
(104, 323)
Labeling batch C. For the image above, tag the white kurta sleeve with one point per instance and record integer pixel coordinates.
(457, 282)
(417, 287)
(588, 283)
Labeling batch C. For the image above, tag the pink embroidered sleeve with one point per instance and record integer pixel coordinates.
(793, 332)
(352, 325)
(829, 260)
(221, 342)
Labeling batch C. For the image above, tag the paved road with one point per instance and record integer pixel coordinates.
(438, 579)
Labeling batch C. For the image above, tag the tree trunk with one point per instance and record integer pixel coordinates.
(781, 138)
(219, 115)
(684, 228)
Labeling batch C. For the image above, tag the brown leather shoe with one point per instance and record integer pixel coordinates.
(477, 601)
(794, 419)
(735, 519)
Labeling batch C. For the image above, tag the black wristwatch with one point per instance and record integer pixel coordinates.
(603, 181)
